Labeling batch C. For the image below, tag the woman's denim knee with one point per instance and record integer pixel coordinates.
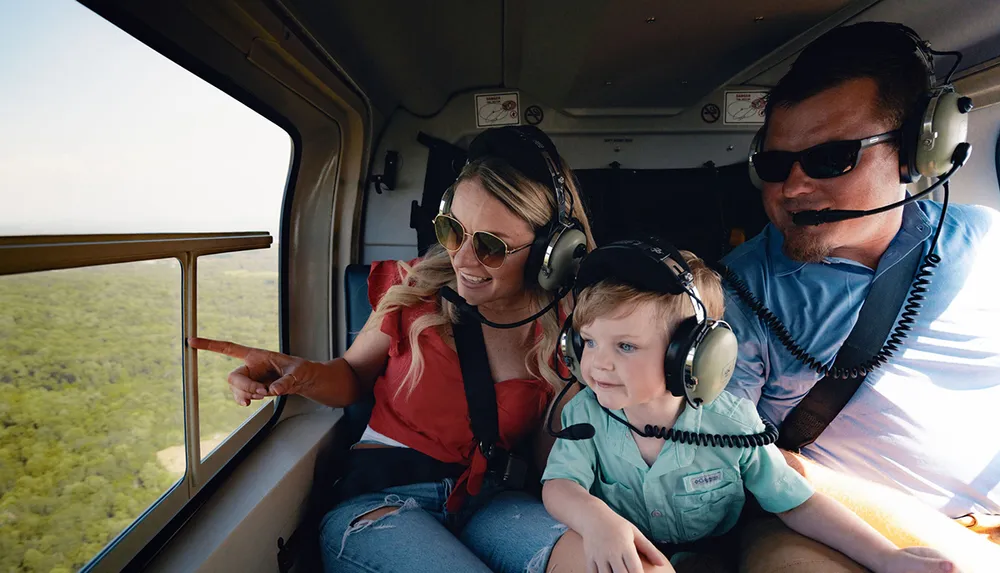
(507, 532)
(410, 537)
(513, 533)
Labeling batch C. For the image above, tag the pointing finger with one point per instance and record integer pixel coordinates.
(221, 346)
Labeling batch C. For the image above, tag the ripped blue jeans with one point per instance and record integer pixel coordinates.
(502, 531)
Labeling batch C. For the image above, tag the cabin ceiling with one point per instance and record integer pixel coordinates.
(586, 55)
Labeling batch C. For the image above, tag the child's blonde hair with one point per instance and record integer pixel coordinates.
(610, 296)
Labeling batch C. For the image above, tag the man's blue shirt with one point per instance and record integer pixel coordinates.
(928, 422)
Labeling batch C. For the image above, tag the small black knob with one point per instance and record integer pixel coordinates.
(964, 104)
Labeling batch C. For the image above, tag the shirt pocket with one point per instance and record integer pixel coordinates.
(618, 496)
(704, 513)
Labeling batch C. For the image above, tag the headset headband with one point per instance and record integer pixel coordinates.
(648, 266)
(528, 150)
(923, 49)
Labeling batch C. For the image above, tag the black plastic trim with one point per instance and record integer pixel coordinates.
(996, 160)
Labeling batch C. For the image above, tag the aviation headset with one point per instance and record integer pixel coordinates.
(929, 135)
(560, 244)
(701, 354)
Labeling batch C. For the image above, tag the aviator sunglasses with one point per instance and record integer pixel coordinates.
(490, 249)
(823, 161)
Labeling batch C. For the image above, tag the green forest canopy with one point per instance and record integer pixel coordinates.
(91, 393)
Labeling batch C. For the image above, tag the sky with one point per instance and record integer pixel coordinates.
(101, 134)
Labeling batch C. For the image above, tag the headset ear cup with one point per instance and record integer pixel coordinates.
(943, 127)
(677, 352)
(714, 362)
(571, 348)
(536, 254)
(755, 146)
(909, 141)
(565, 247)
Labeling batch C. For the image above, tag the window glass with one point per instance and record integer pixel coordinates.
(91, 407)
(238, 301)
(103, 135)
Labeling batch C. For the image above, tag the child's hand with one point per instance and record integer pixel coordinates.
(612, 545)
(918, 560)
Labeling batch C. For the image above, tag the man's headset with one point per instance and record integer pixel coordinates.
(933, 145)
(559, 245)
(932, 140)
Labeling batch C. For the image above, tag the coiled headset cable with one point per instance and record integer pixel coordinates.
(767, 437)
(904, 324)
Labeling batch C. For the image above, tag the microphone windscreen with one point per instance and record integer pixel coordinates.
(578, 432)
(804, 218)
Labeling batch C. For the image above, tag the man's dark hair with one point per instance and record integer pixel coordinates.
(881, 51)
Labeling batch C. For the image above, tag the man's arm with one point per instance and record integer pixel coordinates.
(902, 519)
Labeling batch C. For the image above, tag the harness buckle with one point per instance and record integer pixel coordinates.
(503, 466)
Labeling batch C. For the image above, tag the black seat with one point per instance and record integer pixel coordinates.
(358, 310)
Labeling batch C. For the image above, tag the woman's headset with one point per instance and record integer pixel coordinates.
(560, 244)
(701, 353)
(929, 136)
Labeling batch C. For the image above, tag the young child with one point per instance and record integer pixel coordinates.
(622, 492)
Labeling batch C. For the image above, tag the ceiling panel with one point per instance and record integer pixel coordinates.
(689, 50)
(597, 54)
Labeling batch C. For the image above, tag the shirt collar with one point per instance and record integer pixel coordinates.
(913, 231)
(675, 455)
(783, 266)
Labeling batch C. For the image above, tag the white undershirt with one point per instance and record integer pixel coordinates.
(371, 435)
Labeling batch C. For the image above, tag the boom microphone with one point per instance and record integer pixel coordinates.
(576, 431)
(456, 299)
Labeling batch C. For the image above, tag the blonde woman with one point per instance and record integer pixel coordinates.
(418, 493)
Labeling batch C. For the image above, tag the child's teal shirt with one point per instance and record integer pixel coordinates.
(690, 491)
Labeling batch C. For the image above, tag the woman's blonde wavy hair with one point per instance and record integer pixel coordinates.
(528, 199)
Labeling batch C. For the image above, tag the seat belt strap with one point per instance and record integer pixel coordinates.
(480, 394)
(479, 391)
(829, 395)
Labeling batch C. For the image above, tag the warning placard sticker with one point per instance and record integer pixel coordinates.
(745, 107)
(497, 109)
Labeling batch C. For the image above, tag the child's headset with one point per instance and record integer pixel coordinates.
(929, 135)
(560, 244)
(701, 354)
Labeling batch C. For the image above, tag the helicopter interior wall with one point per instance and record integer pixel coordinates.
(977, 182)
(675, 142)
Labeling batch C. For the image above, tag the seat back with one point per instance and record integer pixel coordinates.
(356, 296)
(358, 310)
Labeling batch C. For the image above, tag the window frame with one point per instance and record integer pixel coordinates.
(996, 159)
(138, 544)
(28, 254)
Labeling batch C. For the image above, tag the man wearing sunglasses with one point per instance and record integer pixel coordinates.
(916, 446)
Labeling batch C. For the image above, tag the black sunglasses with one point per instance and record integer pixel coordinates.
(823, 161)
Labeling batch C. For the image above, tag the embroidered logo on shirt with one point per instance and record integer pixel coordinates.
(703, 481)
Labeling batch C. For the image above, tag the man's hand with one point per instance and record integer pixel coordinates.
(917, 560)
(903, 519)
